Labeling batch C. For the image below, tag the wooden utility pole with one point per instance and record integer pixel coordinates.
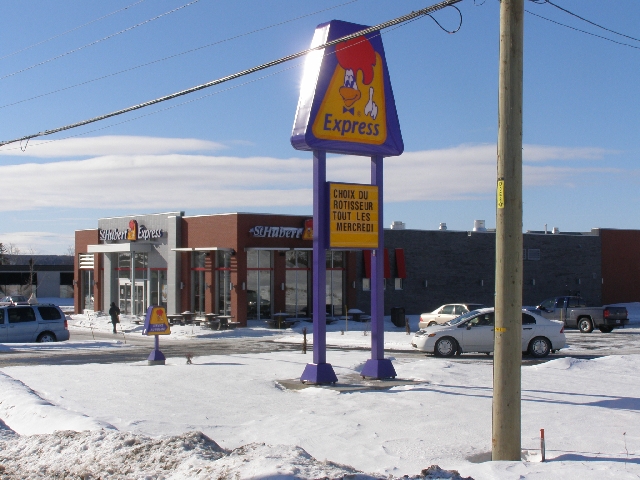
(507, 357)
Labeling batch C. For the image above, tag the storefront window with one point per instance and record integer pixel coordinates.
(297, 280)
(335, 283)
(259, 269)
(86, 286)
(158, 287)
(198, 286)
(223, 282)
(141, 261)
(124, 265)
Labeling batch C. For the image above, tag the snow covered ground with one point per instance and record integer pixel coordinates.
(247, 416)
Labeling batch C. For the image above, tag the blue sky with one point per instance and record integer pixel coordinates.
(230, 150)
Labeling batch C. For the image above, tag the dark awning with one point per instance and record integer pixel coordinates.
(401, 269)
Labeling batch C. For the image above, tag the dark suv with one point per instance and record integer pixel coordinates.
(32, 323)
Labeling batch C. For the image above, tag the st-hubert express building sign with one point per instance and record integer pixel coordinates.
(133, 233)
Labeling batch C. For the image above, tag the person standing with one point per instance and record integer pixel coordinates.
(115, 315)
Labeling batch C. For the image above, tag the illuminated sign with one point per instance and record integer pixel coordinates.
(353, 215)
(156, 322)
(308, 229)
(133, 233)
(346, 103)
(276, 232)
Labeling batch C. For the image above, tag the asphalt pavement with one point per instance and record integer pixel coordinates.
(136, 347)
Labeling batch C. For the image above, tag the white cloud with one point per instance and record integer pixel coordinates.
(38, 242)
(110, 145)
(542, 153)
(149, 182)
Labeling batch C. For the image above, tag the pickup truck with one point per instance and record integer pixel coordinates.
(574, 312)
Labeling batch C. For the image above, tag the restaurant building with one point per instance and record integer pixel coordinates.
(251, 266)
(245, 265)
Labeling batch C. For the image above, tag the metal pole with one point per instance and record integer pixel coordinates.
(319, 371)
(378, 366)
(319, 259)
(377, 269)
(506, 439)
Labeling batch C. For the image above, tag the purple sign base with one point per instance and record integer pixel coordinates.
(318, 373)
(156, 357)
(378, 369)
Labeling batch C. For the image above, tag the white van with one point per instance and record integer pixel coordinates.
(32, 323)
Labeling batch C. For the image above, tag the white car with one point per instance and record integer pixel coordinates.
(444, 313)
(474, 332)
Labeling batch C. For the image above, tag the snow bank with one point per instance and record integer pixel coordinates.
(26, 413)
(193, 455)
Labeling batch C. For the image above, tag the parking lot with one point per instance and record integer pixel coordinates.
(580, 345)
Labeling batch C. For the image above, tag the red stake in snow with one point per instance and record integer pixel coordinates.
(542, 447)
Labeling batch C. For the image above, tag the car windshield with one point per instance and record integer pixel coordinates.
(462, 318)
(19, 298)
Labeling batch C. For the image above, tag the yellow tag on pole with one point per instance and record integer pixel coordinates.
(500, 193)
(501, 329)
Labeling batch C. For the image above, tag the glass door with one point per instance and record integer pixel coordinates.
(140, 298)
(124, 296)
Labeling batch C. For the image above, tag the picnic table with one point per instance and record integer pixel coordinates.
(212, 321)
(281, 320)
(175, 318)
(189, 318)
(226, 323)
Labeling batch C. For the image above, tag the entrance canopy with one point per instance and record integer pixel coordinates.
(119, 247)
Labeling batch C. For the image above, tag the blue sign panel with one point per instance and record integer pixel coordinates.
(346, 102)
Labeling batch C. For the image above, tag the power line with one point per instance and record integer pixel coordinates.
(381, 26)
(100, 40)
(72, 30)
(177, 54)
(583, 31)
(585, 20)
(233, 87)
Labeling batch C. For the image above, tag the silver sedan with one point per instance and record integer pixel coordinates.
(474, 332)
(444, 313)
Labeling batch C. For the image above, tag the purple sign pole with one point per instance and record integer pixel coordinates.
(319, 371)
(156, 357)
(378, 366)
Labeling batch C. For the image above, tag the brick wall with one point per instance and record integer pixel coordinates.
(460, 267)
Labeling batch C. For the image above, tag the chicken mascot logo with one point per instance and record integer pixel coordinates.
(132, 233)
(308, 229)
(353, 106)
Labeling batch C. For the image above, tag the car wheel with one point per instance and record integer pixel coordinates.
(539, 347)
(446, 347)
(46, 337)
(432, 323)
(585, 325)
(605, 329)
